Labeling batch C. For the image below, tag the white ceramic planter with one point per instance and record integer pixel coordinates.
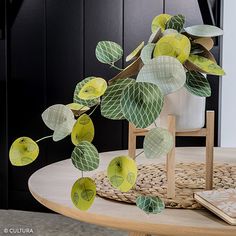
(188, 109)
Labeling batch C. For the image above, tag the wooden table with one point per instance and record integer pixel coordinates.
(52, 184)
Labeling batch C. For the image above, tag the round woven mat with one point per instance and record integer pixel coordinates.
(190, 178)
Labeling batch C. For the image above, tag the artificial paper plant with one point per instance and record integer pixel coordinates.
(174, 57)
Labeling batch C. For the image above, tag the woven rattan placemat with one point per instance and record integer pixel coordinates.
(190, 178)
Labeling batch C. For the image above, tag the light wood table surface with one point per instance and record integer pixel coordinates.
(52, 184)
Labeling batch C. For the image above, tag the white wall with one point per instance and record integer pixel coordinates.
(227, 137)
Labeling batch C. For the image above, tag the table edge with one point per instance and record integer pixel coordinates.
(129, 225)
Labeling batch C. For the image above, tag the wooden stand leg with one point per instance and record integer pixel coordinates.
(209, 148)
(132, 141)
(170, 164)
(137, 234)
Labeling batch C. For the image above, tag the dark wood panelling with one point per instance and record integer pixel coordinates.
(103, 21)
(3, 128)
(2, 20)
(25, 84)
(64, 61)
(189, 8)
(138, 16)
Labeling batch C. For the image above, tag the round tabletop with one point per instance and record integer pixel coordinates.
(52, 184)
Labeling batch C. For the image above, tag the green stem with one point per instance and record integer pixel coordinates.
(46, 137)
(93, 110)
(139, 154)
(116, 67)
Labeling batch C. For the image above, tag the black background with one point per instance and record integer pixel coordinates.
(46, 47)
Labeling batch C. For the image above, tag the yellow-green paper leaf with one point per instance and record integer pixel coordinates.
(175, 45)
(206, 65)
(93, 89)
(83, 193)
(23, 151)
(83, 130)
(160, 21)
(122, 173)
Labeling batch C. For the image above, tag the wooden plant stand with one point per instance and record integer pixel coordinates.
(207, 132)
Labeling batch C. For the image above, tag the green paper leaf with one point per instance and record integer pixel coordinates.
(56, 115)
(122, 173)
(85, 156)
(165, 72)
(142, 103)
(83, 193)
(158, 142)
(204, 31)
(147, 52)
(198, 84)
(150, 205)
(205, 65)
(176, 23)
(23, 151)
(111, 101)
(63, 130)
(87, 103)
(108, 52)
(60, 119)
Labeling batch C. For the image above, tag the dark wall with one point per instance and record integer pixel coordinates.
(50, 47)
(3, 111)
